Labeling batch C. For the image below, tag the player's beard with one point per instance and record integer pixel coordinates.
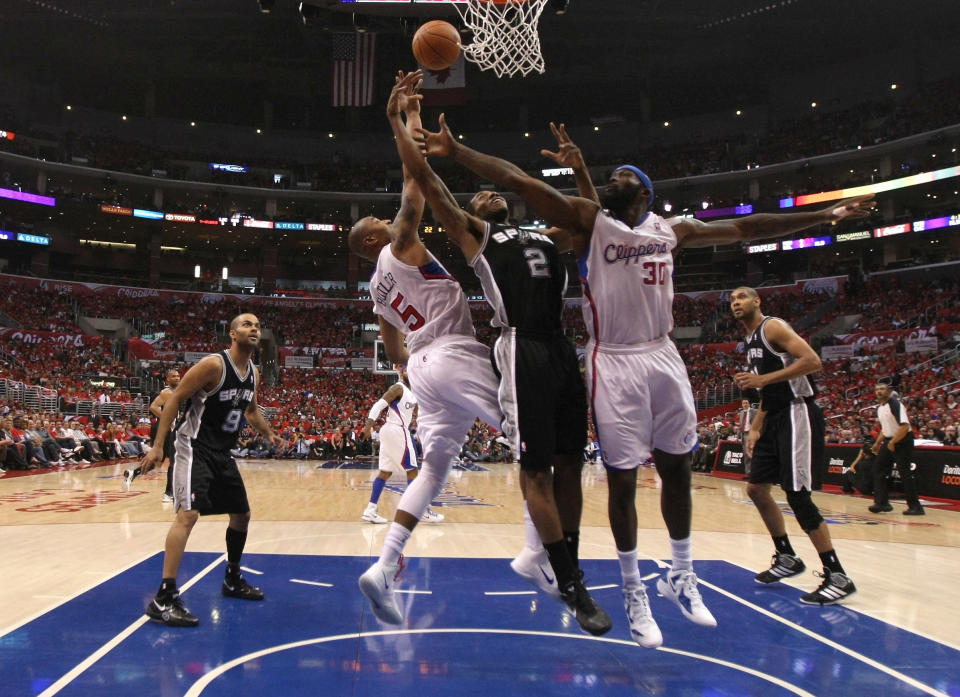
(619, 199)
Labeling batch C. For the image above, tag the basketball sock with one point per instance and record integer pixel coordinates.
(236, 540)
(169, 489)
(572, 538)
(168, 587)
(628, 567)
(830, 562)
(682, 554)
(397, 537)
(783, 545)
(530, 533)
(378, 485)
(560, 561)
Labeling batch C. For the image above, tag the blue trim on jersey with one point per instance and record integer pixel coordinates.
(433, 270)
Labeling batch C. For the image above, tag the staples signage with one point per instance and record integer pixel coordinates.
(757, 248)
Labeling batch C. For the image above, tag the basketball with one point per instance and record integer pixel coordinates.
(436, 45)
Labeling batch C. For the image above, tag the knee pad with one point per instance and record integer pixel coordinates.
(806, 511)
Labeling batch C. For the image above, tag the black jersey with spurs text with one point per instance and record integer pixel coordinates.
(764, 358)
(523, 278)
(214, 418)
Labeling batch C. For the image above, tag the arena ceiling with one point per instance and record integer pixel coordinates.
(218, 60)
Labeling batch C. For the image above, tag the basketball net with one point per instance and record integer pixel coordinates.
(505, 37)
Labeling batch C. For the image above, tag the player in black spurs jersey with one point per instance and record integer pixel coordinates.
(220, 392)
(156, 406)
(541, 393)
(786, 443)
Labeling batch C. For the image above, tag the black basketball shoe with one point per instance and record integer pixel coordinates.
(782, 566)
(171, 611)
(590, 616)
(835, 587)
(239, 588)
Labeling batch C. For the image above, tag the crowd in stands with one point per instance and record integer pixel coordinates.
(324, 406)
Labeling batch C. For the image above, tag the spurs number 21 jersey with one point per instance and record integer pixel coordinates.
(423, 302)
(522, 277)
(213, 418)
(764, 358)
(627, 276)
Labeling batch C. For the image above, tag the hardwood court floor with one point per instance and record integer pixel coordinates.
(65, 532)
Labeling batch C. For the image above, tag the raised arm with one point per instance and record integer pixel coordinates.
(463, 229)
(404, 99)
(570, 212)
(569, 155)
(694, 233)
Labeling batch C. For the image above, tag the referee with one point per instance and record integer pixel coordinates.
(893, 445)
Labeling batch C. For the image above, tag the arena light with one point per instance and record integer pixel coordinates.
(224, 273)
(893, 184)
(15, 195)
(266, 6)
(559, 7)
(196, 271)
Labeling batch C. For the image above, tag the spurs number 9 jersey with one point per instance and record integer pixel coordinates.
(423, 302)
(522, 277)
(627, 276)
(213, 418)
(765, 359)
(400, 411)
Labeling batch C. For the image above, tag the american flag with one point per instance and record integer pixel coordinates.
(353, 61)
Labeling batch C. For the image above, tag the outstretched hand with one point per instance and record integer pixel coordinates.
(854, 207)
(568, 154)
(405, 97)
(439, 144)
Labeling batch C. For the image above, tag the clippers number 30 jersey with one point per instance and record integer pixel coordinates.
(522, 277)
(627, 276)
(423, 302)
(213, 418)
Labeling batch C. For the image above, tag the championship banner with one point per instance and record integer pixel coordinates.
(298, 361)
(38, 337)
(833, 353)
(193, 356)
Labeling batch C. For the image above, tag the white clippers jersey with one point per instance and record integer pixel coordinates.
(423, 302)
(627, 277)
(400, 411)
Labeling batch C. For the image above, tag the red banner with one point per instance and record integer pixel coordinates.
(891, 337)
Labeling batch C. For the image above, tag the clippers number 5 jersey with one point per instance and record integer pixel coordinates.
(213, 418)
(522, 277)
(400, 411)
(765, 359)
(423, 302)
(627, 276)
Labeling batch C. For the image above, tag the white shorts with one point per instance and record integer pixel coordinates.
(397, 453)
(642, 400)
(455, 384)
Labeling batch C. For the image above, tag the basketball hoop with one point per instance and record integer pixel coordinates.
(505, 37)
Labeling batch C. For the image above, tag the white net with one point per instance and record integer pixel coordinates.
(505, 37)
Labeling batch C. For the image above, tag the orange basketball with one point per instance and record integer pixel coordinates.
(436, 45)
